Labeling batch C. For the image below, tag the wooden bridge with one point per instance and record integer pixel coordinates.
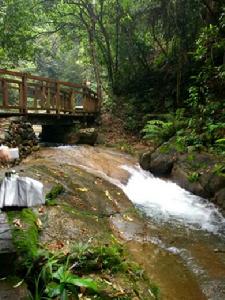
(23, 94)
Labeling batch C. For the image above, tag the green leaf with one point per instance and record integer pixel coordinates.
(53, 289)
(64, 295)
(83, 282)
(220, 141)
(61, 274)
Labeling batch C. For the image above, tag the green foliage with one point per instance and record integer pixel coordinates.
(193, 177)
(219, 169)
(206, 38)
(51, 276)
(220, 143)
(161, 131)
(158, 130)
(98, 258)
(155, 291)
(65, 283)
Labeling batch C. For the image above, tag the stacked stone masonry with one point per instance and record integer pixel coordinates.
(17, 132)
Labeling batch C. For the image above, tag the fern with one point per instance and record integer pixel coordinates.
(158, 130)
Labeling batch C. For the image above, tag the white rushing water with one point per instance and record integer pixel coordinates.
(163, 201)
(166, 201)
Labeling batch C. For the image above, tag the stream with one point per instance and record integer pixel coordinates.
(180, 243)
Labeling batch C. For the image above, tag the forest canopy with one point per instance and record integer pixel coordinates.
(148, 56)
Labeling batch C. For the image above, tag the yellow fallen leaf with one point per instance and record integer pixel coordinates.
(108, 195)
(127, 218)
(82, 189)
(18, 284)
(108, 282)
(39, 223)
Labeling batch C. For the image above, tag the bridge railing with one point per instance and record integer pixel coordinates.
(25, 93)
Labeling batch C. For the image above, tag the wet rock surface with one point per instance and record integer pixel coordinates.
(161, 165)
(87, 136)
(8, 292)
(196, 172)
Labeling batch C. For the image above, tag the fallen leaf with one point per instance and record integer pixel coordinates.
(17, 223)
(56, 246)
(108, 195)
(108, 282)
(41, 210)
(18, 284)
(3, 278)
(39, 223)
(128, 218)
(82, 189)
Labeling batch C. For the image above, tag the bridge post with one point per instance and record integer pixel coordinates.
(24, 93)
(48, 97)
(71, 102)
(57, 98)
(85, 108)
(5, 93)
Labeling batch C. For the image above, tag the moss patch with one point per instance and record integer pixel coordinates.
(56, 190)
(25, 234)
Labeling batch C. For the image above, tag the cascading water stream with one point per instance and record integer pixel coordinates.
(161, 200)
(165, 201)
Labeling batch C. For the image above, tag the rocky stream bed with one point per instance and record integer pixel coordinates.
(184, 259)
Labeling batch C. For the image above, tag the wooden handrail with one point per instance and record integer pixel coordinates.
(46, 79)
(51, 94)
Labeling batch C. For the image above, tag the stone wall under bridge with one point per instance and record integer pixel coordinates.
(18, 132)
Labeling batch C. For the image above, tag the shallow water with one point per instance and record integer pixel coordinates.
(182, 233)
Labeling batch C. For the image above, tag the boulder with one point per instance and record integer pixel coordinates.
(212, 183)
(220, 198)
(8, 292)
(161, 164)
(157, 163)
(181, 177)
(87, 136)
(145, 161)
